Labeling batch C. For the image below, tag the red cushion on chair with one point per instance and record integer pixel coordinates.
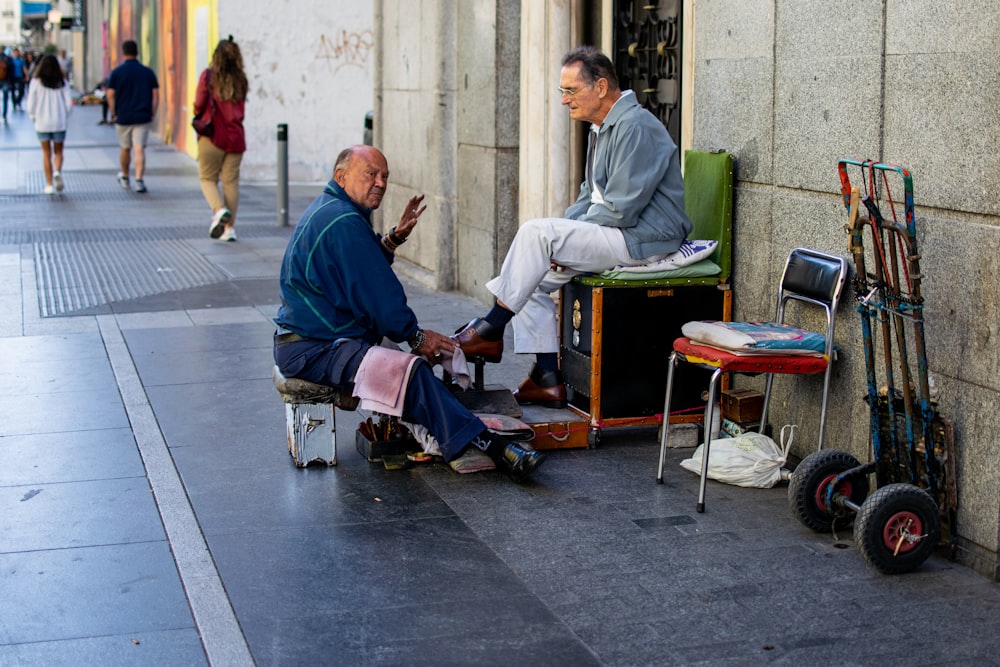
(794, 364)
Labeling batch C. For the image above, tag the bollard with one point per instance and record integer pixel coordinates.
(369, 128)
(282, 175)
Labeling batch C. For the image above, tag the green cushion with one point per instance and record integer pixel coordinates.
(708, 201)
(705, 267)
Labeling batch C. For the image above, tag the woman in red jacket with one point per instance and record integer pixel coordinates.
(222, 90)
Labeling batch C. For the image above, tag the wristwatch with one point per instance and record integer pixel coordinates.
(417, 340)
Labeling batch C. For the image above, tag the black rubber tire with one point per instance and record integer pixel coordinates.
(887, 511)
(807, 484)
(593, 438)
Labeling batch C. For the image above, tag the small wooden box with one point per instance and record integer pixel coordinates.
(374, 451)
(742, 405)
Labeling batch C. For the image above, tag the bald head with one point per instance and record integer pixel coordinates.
(363, 173)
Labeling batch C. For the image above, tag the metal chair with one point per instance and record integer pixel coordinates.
(811, 277)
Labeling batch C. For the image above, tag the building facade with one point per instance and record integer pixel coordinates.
(466, 109)
(310, 67)
(467, 112)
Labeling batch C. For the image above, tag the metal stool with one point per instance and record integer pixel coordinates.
(311, 419)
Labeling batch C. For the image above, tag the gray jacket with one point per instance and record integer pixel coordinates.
(638, 174)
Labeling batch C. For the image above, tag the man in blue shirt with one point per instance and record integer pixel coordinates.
(340, 297)
(630, 211)
(6, 79)
(133, 97)
(18, 81)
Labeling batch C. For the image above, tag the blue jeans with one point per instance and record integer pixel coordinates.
(428, 402)
(18, 92)
(5, 92)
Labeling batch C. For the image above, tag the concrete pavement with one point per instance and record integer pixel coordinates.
(150, 512)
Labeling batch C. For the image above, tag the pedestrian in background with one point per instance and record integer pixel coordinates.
(66, 63)
(133, 96)
(221, 93)
(6, 81)
(50, 103)
(30, 64)
(19, 79)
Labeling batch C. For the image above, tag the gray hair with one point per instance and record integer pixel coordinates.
(594, 65)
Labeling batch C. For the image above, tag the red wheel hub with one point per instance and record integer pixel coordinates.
(821, 491)
(898, 525)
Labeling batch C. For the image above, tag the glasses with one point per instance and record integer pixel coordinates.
(570, 92)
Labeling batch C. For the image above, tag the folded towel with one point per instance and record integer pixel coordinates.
(457, 365)
(381, 379)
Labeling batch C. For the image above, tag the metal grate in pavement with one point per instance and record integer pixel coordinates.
(81, 185)
(114, 265)
(25, 236)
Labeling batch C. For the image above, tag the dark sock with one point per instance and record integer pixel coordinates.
(547, 362)
(490, 443)
(499, 317)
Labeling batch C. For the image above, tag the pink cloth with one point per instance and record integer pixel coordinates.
(382, 378)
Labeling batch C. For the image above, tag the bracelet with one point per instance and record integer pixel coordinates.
(418, 340)
(389, 244)
(394, 238)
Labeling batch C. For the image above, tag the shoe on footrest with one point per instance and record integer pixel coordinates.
(545, 388)
(475, 340)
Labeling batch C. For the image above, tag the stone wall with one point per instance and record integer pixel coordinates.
(447, 96)
(310, 66)
(791, 88)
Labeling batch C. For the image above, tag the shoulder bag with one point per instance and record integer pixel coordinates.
(202, 123)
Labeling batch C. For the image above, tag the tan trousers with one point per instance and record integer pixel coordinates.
(213, 164)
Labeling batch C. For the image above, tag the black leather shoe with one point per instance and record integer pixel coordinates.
(543, 388)
(520, 462)
(479, 338)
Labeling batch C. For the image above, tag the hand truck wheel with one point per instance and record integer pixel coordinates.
(897, 528)
(810, 483)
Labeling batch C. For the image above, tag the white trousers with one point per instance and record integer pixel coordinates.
(527, 281)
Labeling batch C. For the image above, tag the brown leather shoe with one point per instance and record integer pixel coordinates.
(529, 393)
(473, 343)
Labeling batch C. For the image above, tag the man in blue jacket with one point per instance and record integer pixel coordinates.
(630, 211)
(340, 296)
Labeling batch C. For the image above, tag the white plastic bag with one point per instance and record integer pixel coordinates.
(750, 459)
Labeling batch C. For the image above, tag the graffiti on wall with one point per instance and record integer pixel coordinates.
(348, 49)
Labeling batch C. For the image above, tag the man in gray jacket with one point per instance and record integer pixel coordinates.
(630, 211)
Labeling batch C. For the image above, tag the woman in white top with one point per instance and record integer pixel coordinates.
(49, 105)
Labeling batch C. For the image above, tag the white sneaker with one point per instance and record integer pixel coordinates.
(57, 179)
(219, 222)
(49, 190)
(229, 234)
(123, 180)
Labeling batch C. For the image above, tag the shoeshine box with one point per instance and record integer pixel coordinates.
(373, 451)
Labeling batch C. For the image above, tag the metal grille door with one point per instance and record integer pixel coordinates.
(647, 55)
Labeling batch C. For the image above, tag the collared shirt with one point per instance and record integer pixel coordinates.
(635, 182)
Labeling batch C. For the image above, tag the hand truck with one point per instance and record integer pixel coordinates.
(913, 508)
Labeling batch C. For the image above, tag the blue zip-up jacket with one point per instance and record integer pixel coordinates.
(337, 279)
(637, 169)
